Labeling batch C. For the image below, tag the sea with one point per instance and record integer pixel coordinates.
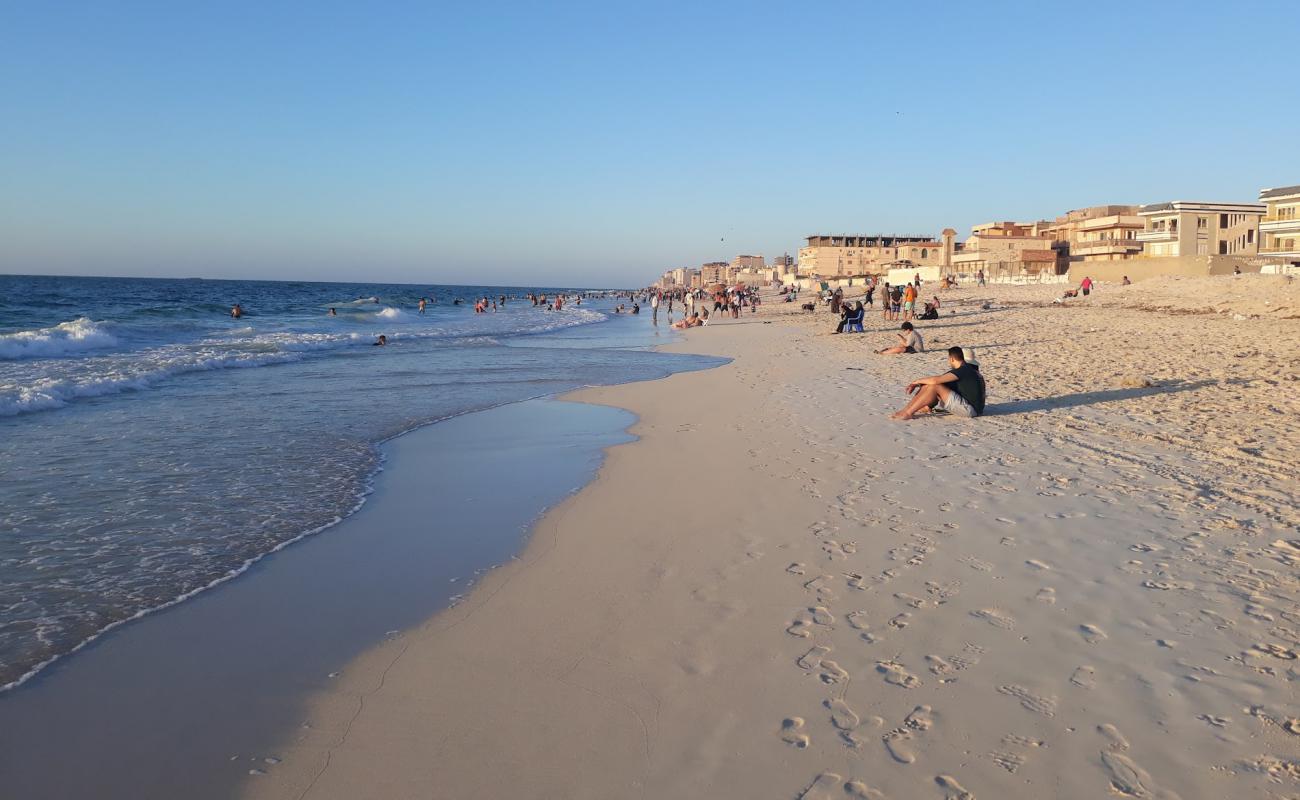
(152, 446)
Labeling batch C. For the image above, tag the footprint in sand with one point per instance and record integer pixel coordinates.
(1039, 704)
(823, 787)
(943, 592)
(861, 791)
(831, 673)
(1084, 677)
(1092, 634)
(1046, 595)
(856, 581)
(809, 660)
(795, 568)
(996, 618)
(921, 718)
(792, 733)
(899, 622)
(842, 717)
(857, 620)
(1036, 564)
(952, 789)
(977, 564)
(896, 743)
(909, 599)
(821, 616)
(897, 675)
(1127, 779)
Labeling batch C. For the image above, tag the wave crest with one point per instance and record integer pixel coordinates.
(66, 338)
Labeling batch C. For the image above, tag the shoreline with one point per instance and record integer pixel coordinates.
(775, 589)
(207, 659)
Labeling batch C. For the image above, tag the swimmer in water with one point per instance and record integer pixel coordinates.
(333, 313)
(381, 341)
(237, 311)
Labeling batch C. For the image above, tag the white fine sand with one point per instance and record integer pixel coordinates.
(779, 593)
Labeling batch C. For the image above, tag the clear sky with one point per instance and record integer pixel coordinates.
(599, 143)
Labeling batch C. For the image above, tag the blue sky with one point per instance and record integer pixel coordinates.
(600, 143)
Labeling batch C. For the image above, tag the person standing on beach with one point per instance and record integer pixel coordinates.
(979, 276)
(654, 306)
(1086, 286)
(909, 302)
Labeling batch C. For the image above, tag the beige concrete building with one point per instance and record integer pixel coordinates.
(1279, 230)
(714, 272)
(1185, 228)
(835, 255)
(748, 262)
(1097, 233)
(1006, 250)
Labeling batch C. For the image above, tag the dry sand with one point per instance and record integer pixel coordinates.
(777, 592)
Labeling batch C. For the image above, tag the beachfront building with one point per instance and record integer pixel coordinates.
(1006, 250)
(748, 262)
(1097, 233)
(845, 255)
(1185, 228)
(714, 272)
(1279, 230)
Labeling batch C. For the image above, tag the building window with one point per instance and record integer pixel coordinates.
(924, 253)
(1200, 223)
(1223, 248)
(1223, 220)
(1250, 236)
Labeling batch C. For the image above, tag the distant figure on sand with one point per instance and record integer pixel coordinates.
(910, 342)
(959, 391)
(1085, 286)
(1126, 282)
(381, 341)
(237, 311)
(693, 321)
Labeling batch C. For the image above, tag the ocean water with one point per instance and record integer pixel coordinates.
(151, 445)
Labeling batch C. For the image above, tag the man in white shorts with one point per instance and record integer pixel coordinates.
(959, 391)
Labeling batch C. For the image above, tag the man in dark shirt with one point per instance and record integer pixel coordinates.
(959, 391)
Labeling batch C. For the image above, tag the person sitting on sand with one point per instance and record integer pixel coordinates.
(381, 341)
(853, 322)
(911, 342)
(960, 391)
(693, 321)
(1126, 282)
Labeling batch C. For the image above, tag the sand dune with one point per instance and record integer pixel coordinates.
(777, 592)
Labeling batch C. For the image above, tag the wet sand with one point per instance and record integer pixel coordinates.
(777, 592)
(190, 701)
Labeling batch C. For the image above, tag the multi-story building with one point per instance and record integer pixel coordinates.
(865, 255)
(784, 260)
(1185, 228)
(1098, 233)
(1007, 249)
(714, 272)
(1279, 230)
(748, 262)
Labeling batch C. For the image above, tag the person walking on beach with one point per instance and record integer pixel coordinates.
(654, 306)
(960, 391)
(979, 276)
(1085, 286)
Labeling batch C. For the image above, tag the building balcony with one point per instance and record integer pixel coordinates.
(1158, 236)
(1276, 224)
(1105, 245)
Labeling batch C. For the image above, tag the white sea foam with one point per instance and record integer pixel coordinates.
(66, 338)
